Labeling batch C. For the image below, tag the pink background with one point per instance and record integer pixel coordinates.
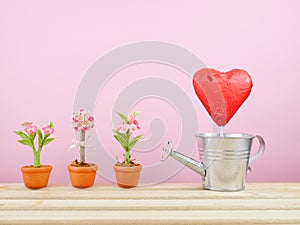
(46, 47)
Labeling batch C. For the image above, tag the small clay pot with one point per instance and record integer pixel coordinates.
(36, 177)
(82, 176)
(127, 176)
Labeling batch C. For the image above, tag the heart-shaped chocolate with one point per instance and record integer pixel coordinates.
(221, 93)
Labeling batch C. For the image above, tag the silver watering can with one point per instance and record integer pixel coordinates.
(225, 159)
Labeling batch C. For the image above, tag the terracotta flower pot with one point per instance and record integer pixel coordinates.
(36, 177)
(127, 176)
(82, 176)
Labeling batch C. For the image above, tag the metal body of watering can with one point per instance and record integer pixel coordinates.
(225, 159)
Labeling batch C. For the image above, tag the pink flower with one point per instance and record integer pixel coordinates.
(132, 120)
(26, 124)
(135, 122)
(82, 120)
(31, 129)
(133, 128)
(48, 130)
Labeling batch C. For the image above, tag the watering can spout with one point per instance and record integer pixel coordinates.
(193, 164)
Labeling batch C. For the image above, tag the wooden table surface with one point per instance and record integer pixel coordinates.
(260, 203)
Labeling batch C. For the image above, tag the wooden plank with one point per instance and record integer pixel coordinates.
(273, 203)
(156, 204)
(162, 186)
(257, 191)
(151, 195)
(150, 217)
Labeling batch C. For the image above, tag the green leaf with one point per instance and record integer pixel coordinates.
(127, 135)
(25, 142)
(22, 135)
(120, 134)
(123, 117)
(137, 137)
(33, 136)
(18, 132)
(122, 141)
(47, 141)
(40, 138)
(134, 141)
(123, 135)
(51, 124)
(136, 113)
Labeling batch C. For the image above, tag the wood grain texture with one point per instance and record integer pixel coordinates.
(264, 203)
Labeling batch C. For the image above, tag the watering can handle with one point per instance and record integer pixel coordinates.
(260, 151)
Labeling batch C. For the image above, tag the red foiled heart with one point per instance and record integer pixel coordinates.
(221, 93)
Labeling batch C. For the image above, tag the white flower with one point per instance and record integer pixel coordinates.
(124, 128)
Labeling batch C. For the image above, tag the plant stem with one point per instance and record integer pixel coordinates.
(37, 158)
(82, 148)
(127, 157)
(127, 151)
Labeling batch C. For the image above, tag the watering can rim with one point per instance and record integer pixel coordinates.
(226, 135)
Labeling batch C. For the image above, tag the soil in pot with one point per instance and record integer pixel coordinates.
(82, 175)
(36, 177)
(127, 176)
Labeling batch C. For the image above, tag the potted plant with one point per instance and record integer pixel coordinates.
(36, 175)
(127, 172)
(82, 174)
